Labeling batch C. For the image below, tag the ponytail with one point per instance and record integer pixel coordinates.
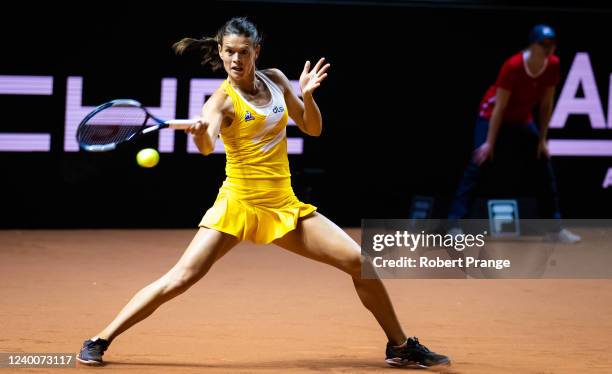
(208, 48)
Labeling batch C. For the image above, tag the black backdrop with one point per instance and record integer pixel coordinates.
(399, 105)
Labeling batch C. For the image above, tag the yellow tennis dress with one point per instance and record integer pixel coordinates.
(256, 201)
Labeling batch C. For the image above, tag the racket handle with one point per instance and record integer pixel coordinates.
(181, 124)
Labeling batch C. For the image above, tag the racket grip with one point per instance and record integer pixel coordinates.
(181, 124)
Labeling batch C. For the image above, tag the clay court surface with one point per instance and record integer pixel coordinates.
(264, 310)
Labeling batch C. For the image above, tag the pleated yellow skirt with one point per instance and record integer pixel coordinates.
(256, 210)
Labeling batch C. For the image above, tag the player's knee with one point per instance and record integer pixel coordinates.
(180, 281)
(353, 265)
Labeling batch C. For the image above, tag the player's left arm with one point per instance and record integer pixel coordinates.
(305, 113)
(545, 112)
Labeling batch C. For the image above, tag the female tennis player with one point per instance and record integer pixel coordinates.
(256, 202)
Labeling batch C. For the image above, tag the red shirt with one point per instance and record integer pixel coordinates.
(526, 91)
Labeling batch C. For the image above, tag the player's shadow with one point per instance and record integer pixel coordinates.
(315, 365)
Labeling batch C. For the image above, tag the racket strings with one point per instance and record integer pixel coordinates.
(107, 134)
(112, 125)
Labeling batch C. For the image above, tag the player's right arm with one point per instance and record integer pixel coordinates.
(217, 111)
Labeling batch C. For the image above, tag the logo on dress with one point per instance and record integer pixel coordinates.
(248, 116)
(278, 109)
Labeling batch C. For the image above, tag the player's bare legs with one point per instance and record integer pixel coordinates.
(318, 238)
(205, 249)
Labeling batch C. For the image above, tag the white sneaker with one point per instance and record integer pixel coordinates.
(563, 236)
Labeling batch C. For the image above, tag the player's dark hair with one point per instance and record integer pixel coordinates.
(207, 47)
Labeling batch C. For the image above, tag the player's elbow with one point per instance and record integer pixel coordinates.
(206, 150)
(205, 145)
(313, 130)
(314, 133)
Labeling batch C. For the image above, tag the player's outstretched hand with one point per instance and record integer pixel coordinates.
(311, 79)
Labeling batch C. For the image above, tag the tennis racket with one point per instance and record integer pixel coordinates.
(121, 121)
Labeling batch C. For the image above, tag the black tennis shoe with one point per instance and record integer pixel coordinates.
(413, 353)
(92, 351)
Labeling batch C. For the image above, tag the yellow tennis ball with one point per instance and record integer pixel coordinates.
(147, 158)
